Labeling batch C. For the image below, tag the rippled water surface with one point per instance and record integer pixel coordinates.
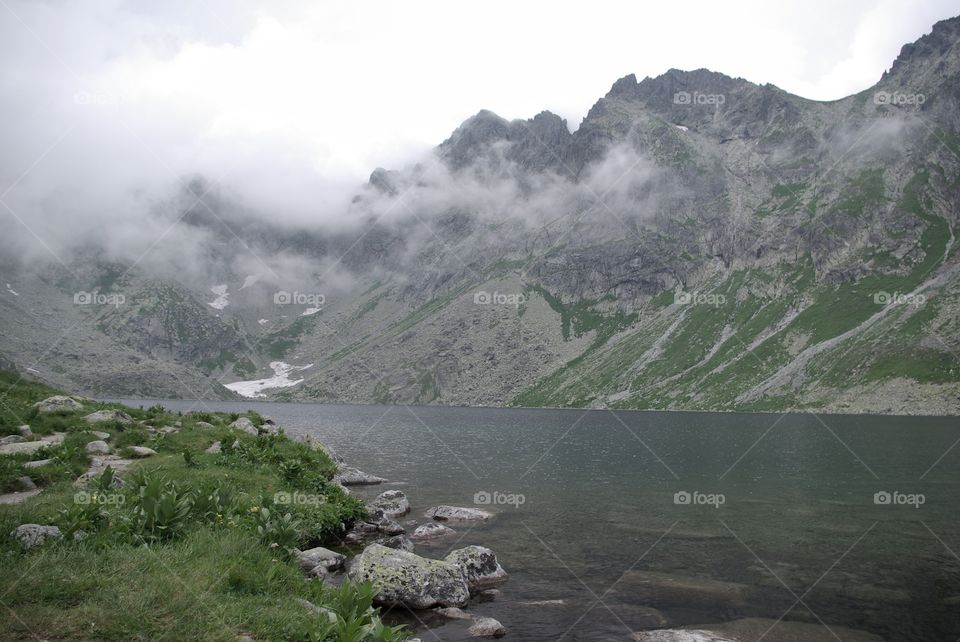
(782, 519)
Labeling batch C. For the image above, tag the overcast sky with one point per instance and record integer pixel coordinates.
(105, 104)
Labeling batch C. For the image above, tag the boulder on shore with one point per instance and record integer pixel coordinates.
(319, 560)
(457, 513)
(57, 403)
(479, 566)
(101, 416)
(243, 424)
(402, 578)
(30, 535)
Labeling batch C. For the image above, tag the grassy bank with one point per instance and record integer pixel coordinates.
(192, 546)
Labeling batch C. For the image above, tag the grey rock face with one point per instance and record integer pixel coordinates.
(30, 535)
(401, 578)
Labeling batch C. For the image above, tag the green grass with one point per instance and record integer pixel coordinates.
(193, 546)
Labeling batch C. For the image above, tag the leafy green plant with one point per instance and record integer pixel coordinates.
(160, 510)
(275, 530)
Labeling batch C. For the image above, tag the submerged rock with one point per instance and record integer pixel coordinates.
(30, 535)
(479, 566)
(101, 416)
(453, 613)
(754, 628)
(349, 476)
(402, 578)
(57, 403)
(457, 513)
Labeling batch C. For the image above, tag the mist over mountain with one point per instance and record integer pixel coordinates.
(697, 241)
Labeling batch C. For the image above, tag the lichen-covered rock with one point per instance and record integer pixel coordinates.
(97, 447)
(101, 416)
(487, 627)
(394, 503)
(402, 578)
(431, 531)
(243, 424)
(57, 403)
(479, 566)
(30, 535)
(457, 513)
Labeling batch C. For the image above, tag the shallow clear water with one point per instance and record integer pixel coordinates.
(798, 532)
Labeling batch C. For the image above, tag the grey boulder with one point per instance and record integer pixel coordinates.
(30, 535)
(101, 416)
(457, 513)
(479, 566)
(57, 403)
(402, 578)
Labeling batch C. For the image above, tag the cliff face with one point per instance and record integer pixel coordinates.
(698, 242)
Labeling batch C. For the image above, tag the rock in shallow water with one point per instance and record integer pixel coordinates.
(431, 531)
(349, 476)
(755, 628)
(479, 566)
(457, 513)
(487, 627)
(401, 578)
(319, 556)
(393, 503)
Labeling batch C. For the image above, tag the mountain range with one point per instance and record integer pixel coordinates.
(698, 242)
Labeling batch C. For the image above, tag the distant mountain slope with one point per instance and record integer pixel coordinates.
(699, 242)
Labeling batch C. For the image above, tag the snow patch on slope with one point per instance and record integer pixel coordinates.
(280, 379)
(222, 297)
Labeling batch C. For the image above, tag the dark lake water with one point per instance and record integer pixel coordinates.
(704, 517)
